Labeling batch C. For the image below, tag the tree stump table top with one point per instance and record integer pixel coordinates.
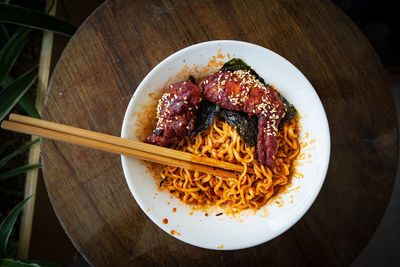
(122, 41)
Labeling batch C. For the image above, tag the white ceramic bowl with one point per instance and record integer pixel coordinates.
(249, 228)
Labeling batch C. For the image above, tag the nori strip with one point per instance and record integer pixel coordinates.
(291, 111)
(162, 181)
(246, 125)
(206, 115)
(192, 79)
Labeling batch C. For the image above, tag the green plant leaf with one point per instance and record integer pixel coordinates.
(14, 91)
(11, 50)
(16, 263)
(27, 104)
(8, 224)
(23, 148)
(19, 170)
(6, 81)
(12, 247)
(34, 19)
(4, 36)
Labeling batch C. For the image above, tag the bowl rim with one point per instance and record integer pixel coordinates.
(325, 161)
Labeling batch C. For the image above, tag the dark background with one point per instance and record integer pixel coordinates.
(378, 20)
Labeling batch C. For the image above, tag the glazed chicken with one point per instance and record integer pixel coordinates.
(241, 91)
(176, 114)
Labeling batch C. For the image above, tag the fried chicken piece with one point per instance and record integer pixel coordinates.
(176, 114)
(241, 91)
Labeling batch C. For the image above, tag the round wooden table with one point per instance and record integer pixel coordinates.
(123, 40)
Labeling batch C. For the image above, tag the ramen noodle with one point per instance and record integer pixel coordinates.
(246, 190)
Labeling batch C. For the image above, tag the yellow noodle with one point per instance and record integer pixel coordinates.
(246, 191)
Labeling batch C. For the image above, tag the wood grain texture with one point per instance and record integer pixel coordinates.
(121, 42)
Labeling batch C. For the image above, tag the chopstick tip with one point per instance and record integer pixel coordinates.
(4, 125)
(11, 117)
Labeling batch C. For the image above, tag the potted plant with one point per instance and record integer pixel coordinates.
(17, 24)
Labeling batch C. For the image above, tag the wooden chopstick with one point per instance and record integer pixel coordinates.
(157, 150)
(118, 145)
(104, 146)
